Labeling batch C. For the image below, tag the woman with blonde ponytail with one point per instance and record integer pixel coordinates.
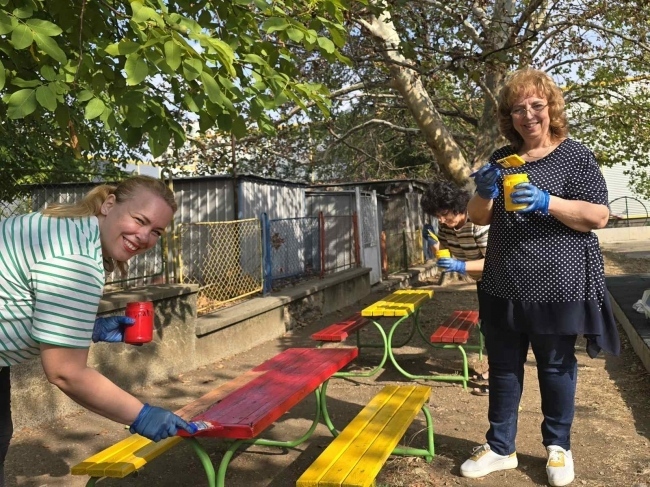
(51, 281)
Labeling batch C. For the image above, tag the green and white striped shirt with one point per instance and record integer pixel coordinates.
(51, 281)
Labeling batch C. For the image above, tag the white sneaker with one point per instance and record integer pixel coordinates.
(484, 461)
(559, 467)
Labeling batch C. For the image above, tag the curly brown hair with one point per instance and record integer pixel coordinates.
(529, 82)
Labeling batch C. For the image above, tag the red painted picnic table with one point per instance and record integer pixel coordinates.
(276, 386)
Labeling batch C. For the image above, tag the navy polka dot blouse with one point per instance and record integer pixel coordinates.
(541, 276)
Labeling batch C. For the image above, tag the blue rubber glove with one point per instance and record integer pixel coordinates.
(449, 264)
(528, 194)
(157, 423)
(111, 328)
(486, 179)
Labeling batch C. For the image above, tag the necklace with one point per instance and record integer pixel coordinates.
(544, 150)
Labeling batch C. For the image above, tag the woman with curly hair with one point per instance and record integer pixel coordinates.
(543, 282)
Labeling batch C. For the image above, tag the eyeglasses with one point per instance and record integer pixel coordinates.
(534, 108)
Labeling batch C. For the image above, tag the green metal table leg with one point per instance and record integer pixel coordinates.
(374, 371)
(92, 481)
(204, 458)
(323, 409)
(227, 457)
(430, 452)
(447, 378)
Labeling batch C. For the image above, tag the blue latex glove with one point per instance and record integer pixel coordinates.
(157, 423)
(449, 264)
(486, 179)
(528, 194)
(111, 328)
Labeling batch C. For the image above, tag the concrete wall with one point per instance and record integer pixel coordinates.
(182, 341)
(622, 234)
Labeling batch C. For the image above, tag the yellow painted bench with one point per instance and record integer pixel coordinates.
(134, 452)
(357, 454)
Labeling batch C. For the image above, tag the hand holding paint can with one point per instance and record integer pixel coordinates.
(509, 182)
(142, 330)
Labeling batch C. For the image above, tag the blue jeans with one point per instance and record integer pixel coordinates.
(6, 426)
(557, 373)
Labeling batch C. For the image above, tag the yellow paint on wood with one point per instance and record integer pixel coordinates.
(356, 456)
(400, 303)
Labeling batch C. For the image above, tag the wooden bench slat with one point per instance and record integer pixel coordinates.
(355, 457)
(338, 332)
(456, 328)
(371, 463)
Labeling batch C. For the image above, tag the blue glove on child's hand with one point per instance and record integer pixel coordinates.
(157, 423)
(528, 194)
(111, 328)
(449, 264)
(486, 179)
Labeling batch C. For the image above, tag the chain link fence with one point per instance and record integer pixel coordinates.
(223, 258)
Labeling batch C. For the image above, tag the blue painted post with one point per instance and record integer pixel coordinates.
(266, 253)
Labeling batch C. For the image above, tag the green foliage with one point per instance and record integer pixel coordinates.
(138, 69)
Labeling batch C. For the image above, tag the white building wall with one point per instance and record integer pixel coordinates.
(623, 201)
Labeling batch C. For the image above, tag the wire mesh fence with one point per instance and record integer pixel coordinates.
(223, 258)
(340, 247)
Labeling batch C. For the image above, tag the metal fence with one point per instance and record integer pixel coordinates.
(223, 258)
(229, 260)
(299, 248)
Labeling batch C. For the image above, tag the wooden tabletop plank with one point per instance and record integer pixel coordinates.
(287, 379)
(400, 303)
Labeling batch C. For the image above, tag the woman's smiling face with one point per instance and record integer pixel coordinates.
(530, 123)
(133, 226)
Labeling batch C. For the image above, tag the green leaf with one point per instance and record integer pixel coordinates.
(21, 103)
(212, 89)
(273, 24)
(136, 70)
(192, 68)
(46, 98)
(48, 73)
(7, 23)
(50, 47)
(94, 108)
(296, 35)
(44, 27)
(85, 95)
(122, 48)
(142, 14)
(3, 75)
(255, 59)
(326, 45)
(159, 140)
(25, 83)
(239, 127)
(22, 36)
(173, 54)
(23, 12)
(190, 103)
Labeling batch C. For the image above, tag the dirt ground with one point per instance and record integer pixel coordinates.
(610, 441)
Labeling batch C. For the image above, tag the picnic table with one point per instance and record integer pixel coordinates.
(400, 306)
(248, 406)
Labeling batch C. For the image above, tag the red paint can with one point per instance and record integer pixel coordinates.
(142, 330)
